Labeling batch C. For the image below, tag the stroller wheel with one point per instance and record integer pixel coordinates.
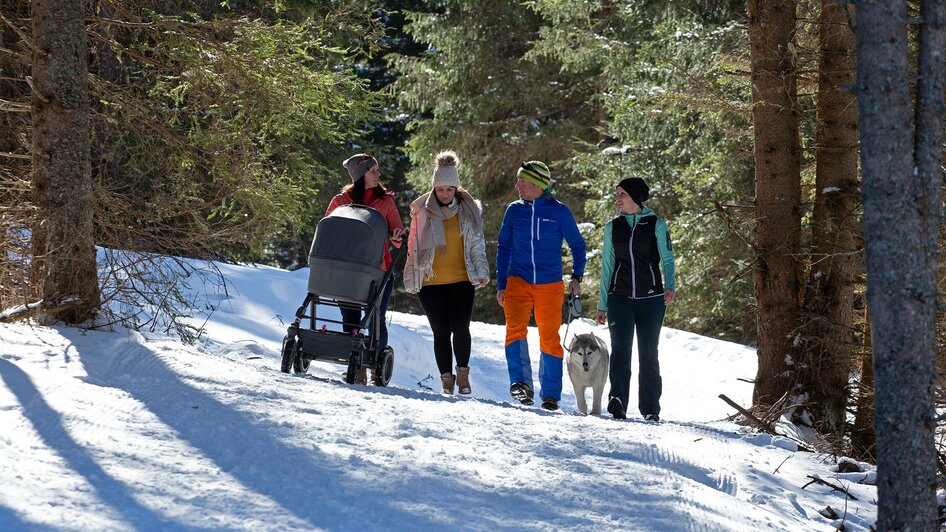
(352, 369)
(288, 353)
(300, 364)
(384, 367)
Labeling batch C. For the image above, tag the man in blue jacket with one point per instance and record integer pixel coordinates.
(529, 278)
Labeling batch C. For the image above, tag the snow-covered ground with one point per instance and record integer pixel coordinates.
(121, 430)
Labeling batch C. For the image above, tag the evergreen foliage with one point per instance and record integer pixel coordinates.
(212, 130)
(674, 111)
(478, 91)
(222, 172)
(606, 90)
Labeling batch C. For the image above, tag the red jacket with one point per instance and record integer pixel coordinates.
(384, 204)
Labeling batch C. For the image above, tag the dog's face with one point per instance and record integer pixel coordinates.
(585, 351)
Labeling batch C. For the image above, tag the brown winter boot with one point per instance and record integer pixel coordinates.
(448, 380)
(362, 377)
(463, 380)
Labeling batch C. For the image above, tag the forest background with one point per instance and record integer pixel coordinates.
(218, 131)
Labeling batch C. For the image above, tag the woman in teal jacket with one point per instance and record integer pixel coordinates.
(634, 296)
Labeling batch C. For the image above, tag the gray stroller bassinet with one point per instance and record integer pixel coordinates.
(344, 272)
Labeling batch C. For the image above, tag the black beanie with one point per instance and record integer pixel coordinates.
(636, 189)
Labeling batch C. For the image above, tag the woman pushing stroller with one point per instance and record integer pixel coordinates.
(366, 189)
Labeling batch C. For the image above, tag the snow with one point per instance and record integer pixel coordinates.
(120, 430)
(614, 150)
(19, 309)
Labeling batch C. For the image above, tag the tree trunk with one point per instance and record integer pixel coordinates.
(900, 196)
(63, 247)
(863, 437)
(778, 192)
(829, 297)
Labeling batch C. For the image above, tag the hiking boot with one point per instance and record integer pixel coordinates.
(362, 377)
(521, 392)
(463, 381)
(651, 417)
(616, 408)
(447, 380)
(550, 404)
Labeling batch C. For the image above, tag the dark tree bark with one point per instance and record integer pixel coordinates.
(829, 294)
(778, 193)
(63, 245)
(863, 437)
(901, 221)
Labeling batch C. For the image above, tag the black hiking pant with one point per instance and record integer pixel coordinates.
(646, 316)
(351, 317)
(449, 309)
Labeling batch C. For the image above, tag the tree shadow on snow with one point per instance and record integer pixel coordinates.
(48, 424)
(11, 520)
(321, 490)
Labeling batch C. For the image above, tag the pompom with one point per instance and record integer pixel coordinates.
(447, 158)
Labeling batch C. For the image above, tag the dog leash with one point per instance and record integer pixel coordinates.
(574, 311)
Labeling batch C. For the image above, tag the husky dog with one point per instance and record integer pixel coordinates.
(588, 363)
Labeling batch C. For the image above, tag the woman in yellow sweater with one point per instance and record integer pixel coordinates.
(446, 263)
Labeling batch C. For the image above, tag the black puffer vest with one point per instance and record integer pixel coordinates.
(636, 258)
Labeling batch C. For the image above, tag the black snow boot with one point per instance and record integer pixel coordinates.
(521, 392)
(550, 404)
(616, 409)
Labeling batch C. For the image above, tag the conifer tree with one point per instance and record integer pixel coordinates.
(778, 193)
(828, 317)
(64, 263)
(902, 175)
(211, 131)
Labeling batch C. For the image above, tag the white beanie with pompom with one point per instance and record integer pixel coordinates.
(445, 173)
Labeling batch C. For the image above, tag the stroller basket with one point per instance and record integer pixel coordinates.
(346, 254)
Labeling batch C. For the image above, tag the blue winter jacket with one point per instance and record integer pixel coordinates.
(530, 242)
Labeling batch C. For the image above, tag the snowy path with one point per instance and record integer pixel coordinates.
(119, 431)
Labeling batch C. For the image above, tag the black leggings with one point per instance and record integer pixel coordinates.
(449, 308)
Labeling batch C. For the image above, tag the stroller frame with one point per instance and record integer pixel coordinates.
(303, 344)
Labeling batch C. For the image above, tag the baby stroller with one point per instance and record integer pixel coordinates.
(344, 272)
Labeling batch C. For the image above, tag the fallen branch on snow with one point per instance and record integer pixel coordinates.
(20, 312)
(830, 485)
(752, 419)
(762, 425)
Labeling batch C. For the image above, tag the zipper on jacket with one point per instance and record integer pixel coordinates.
(532, 232)
(653, 278)
(614, 278)
(630, 252)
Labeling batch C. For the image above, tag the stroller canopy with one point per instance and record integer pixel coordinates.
(346, 253)
(352, 233)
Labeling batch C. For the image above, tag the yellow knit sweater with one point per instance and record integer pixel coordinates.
(450, 266)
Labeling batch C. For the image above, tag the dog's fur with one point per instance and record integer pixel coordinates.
(588, 365)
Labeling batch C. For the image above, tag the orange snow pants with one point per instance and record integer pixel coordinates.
(545, 300)
(522, 299)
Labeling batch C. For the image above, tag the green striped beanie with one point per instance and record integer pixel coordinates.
(536, 173)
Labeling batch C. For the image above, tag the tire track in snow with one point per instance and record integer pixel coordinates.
(697, 457)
